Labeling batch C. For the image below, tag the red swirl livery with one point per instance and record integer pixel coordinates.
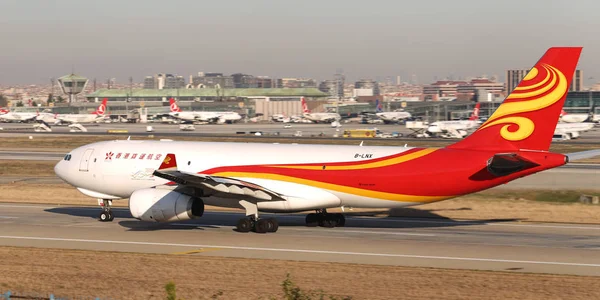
(168, 181)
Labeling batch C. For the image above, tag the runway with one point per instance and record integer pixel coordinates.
(501, 245)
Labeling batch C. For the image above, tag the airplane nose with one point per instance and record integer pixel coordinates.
(59, 170)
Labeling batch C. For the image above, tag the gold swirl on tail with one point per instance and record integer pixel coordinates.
(554, 86)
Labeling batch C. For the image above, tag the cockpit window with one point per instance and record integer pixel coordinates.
(67, 157)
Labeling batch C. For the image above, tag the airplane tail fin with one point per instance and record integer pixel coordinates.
(304, 106)
(174, 106)
(101, 108)
(475, 114)
(378, 106)
(528, 116)
(169, 163)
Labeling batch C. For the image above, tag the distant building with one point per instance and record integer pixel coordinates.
(462, 90)
(164, 81)
(211, 80)
(367, 84)
(150, 82)
(332, 87)
(296, 83)
(174, 82)
(514, 77)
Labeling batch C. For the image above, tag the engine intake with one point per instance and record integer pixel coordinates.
(160, 205)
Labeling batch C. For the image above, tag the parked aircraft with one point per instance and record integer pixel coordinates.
(390, 116)
(98, 115)
(579, 118)
(203, 116)
(458, 128)
(11, 116)
(318, 117)
(169, 181)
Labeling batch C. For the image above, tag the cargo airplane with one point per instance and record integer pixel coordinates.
(172, 181)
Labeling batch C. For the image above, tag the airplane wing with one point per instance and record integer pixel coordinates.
(215, 185)
(503, 164)
(583, 154)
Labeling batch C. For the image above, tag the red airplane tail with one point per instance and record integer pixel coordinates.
(174, 106)
(304, 106)
(527, 118)
(101, 108)
(475, 114)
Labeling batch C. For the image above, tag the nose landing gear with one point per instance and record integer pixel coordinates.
(324, 219)
(106, 214)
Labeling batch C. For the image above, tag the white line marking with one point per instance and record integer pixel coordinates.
(3, 217)
(307, 251)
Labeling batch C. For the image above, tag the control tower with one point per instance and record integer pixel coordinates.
(72, 85)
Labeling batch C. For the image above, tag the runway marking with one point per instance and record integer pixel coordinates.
(432, 257)
(204, 250)
(6, 217)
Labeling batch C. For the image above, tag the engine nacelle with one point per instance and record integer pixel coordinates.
(161, 205)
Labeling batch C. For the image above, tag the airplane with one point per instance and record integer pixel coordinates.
(570, 131)
(390, 116)
(22, 117)
(579, 118)
(203, 116)
(318, 117)
(172, 181)
(98, 115)
(458, 128)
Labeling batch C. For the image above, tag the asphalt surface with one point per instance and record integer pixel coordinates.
(274, 130)
(502, 245)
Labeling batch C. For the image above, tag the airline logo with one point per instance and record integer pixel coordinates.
(475, 114)
(101, 109)
(543, 86)
(3, 111)
(304, 106)
(378, 106)
(174, 106)
(140, 156)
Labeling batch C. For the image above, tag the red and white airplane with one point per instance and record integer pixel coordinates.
(458, 128)
(98, 115)
(169, 181)
(203, 116)
(318, 117)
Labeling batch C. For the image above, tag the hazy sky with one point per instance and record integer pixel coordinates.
(366, 39)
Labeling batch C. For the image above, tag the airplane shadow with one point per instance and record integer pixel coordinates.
(395, 218)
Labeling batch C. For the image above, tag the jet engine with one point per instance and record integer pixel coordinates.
(161, 205)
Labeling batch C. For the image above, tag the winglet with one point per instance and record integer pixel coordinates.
(170, 162)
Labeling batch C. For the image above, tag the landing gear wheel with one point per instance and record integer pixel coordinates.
(262, 226)
(327, 222)
(244, 225)
(110, 216)
(312, 220)
(340, 220)
(273, 225)
(105, 216)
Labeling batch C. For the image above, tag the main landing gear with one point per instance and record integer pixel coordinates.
(324, 219)
(106, 214)
(252, 223)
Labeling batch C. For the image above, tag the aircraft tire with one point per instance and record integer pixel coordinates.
(340, 220)
(104, 216)
(244, 225)
(273, 225)
(262, 226)
(312, 220)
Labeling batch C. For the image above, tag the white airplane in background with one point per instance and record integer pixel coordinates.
(318, 117)
(98, 115)
(572, 130)
(169, 181)
(579, 118)
(458, 128)
(390, 116)
(11, 116)
(219, 117)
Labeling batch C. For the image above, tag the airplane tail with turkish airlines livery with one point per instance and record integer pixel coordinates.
(101, 110)
(304, 106)
(475, 114)
(527, 118)
(174, 106)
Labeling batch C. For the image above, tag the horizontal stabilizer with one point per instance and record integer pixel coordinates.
(583, 155)
(503, 164)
